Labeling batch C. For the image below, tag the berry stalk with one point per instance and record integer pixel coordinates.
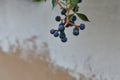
(57, 1)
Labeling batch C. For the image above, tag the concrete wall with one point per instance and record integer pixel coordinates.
(24, 31)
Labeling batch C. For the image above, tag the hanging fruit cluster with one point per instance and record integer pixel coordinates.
(70, 10)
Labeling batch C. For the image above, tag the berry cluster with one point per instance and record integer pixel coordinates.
(68, 21)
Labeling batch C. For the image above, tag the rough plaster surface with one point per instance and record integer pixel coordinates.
(24, 31)
(13, 68)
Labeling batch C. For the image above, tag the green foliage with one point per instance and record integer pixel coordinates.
(70, 16)
(54, 3)
(73, 5)
(82, 17)
(39, 0)
(74, 2)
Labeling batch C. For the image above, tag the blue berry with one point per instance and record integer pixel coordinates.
(52, 31)
(64, 39)
(61, 27)
(74, 18)
(76, 31)
(58, 18)
(62, 35)
(63, 12)
(56, 34)
(82, 26)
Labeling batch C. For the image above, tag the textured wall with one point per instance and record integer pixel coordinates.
(24, 31)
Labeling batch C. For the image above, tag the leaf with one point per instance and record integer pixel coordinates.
(74, 2)
(70, 16)
(39, 0)
(67, 1)
(75, 9)
(83, 17)
(54, 3)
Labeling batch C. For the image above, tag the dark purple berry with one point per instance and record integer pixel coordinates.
(76, 31)
(82, 26)
(56, 34)
(58, 18)
(61, 27)
(52, 31)
(74, 18)
(64, 39)
(62, 35)
(63, 12)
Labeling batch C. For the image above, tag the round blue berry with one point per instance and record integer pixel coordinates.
(76, 31)
(74, 18)
(58, 18)
(62, 35)
(61, 27)
(52, 31)
(64, 39)
(56, 34)
(82, 26)
(63, 12)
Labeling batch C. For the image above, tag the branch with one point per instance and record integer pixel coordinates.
(74, 25)
(57, 1)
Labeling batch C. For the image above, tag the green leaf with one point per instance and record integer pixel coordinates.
(54, 3)
(39, 0)
(70, 16)
(83, 17)
(75, 9)
(74, 2)
(67, 1)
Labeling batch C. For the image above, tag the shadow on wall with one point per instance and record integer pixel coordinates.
(35, 65)
(13, 68)
(27, 60)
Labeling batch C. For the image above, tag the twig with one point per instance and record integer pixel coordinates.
(57, 1)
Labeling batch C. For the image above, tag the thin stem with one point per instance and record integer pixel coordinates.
(57, 1)
(74, 25)
(67, 18)
(67, 15)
